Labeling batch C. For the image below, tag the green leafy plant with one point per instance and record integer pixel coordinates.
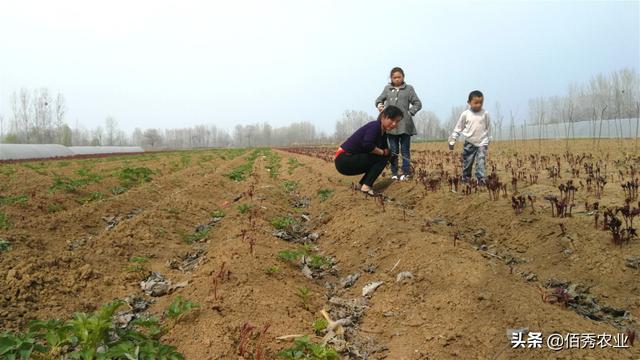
(117, 190)
(324, 194)
(320, 325)
(185, 160)
(290, 255)
(272, 270)
(92, 336)
(282, 222)
(19, 346)
(293, 164)
(239, 173)
(92, 330)
(139, 259)
(56, 333)
(290, 185)
(174, 166)
(305, 295)
(5, 245)
(62, 182)
(130, 177)
(92, 196)
(197, 235)
(304, 349)
(10, 200)
(244, 208)
(7, 170)
(179, 307)
(38, 168)
(4, 221)
(273, 164)
(205, 158)
(217, 213)
(306, 248)
(230, 154)
(148, 325)
(88, 177)
(138, 263)
(54, 207)
(96, 195)
(318, 262)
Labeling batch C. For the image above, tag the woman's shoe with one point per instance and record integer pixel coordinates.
(370, 192)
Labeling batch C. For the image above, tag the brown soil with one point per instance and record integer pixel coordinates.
(459, 304)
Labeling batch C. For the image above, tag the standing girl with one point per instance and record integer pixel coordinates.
(402, 95)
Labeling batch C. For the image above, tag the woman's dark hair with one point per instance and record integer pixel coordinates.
(475, 94)
(392, 111)
(395, 70)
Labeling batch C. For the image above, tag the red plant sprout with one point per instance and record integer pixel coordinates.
(259, 345)
(245, 332)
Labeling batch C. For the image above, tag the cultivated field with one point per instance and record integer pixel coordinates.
(239, 250)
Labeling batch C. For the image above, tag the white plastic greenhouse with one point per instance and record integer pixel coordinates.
(45, 151)
(32, 151)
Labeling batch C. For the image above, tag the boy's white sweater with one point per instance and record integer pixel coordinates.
(474, 126)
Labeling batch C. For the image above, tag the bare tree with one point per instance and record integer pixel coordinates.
(568, 108)
(66, 135)
(350, 122)
(111, 129)
(137, 137)
(152, 137)
(637, 124)
(512, 128)
(61, 127)
(537, 114)
(427, 124)
(97, 136)
(23, 114)
(454, 115)
(41, 109)
(498, 120)
(604, 109)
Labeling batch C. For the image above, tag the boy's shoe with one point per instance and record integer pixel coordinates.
(404, 177)
(394, 177)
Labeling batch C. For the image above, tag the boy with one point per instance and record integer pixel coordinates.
(474, 126)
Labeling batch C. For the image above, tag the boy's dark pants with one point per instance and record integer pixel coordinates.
(355, 164)
(400, 144)
(470, 153)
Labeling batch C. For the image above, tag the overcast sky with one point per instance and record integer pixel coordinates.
(175, 64)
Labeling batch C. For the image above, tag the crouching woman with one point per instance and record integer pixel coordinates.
(367, 151)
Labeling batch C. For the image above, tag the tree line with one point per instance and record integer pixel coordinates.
(39, 117)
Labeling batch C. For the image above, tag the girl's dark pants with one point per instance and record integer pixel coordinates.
(400, 144)
(355, 164)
